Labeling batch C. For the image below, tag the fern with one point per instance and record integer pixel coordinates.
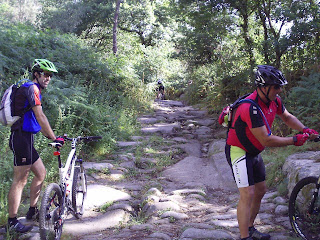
(305, 100)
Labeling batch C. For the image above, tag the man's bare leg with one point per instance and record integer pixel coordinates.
(259, 192)
(39, 175)
(20, 177)
(244, 209)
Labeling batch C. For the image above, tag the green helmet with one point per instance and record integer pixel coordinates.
(43, 65)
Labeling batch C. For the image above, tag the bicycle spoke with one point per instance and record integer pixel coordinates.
(304, 209)
(79, 189)
(50, 223)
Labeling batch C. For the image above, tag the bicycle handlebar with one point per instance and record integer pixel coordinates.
(85, 139)
(79, 138)
(90, 138)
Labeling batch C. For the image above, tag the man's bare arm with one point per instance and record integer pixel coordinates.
(291, 121)
(261, 134)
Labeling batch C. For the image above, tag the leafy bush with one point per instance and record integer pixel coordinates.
(208, 85)
(305, 100)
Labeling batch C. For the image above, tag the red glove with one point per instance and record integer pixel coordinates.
(310, 131)
(59, 140)
(225, 111)
(300, 139)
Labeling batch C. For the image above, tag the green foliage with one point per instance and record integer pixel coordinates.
(305, 100)
(70, 11)
(213, 88)
(18, 11)
(234, 36)
(202, 28)
(105, 207)
(6, 172)
(202, 79)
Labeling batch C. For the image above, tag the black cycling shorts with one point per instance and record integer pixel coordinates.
(21, 144)
(247, 169)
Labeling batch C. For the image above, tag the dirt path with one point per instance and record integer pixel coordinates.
(172, 182)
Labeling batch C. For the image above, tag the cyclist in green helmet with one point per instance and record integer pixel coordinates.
(28, 105)
(43, 67)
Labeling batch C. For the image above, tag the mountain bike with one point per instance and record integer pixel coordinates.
(66, 197)
(304, 207)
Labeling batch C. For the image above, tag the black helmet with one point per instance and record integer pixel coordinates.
(268, 75)
(159, 81)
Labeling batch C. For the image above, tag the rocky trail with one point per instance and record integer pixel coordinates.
(171, 182)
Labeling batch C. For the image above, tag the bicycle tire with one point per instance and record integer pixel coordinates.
(50, 224)
(78, 193)
(306, 225)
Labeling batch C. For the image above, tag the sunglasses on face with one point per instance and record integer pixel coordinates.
(46, 74)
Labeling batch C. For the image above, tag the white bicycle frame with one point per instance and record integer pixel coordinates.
(67, 172)
(63, 172)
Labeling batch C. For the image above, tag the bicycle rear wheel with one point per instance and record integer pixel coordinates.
(50, 223)
(79, 191)
(304, 209)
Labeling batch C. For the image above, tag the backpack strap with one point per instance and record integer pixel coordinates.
(23, 82)
(233, 106)
(262, 114)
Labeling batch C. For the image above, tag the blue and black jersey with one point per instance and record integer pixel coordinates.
(27, 96)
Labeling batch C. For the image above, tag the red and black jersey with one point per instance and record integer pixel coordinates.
(247, 116)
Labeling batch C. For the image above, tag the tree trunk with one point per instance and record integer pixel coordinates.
(265, 32)
(245, 10)
(115, 26)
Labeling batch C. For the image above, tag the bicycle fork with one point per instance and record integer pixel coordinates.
(82, 174)
(83, 183)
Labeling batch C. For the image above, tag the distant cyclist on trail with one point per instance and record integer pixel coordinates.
(26, 158)
(160, 90)
(247, 138)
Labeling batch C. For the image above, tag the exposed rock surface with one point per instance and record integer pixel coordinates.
(301, 165)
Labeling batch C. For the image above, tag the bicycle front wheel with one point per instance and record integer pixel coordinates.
(304, 209)
(50, 222)
(79, 191)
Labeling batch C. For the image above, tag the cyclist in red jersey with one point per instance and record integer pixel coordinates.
(26, 158)
(248, 136)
